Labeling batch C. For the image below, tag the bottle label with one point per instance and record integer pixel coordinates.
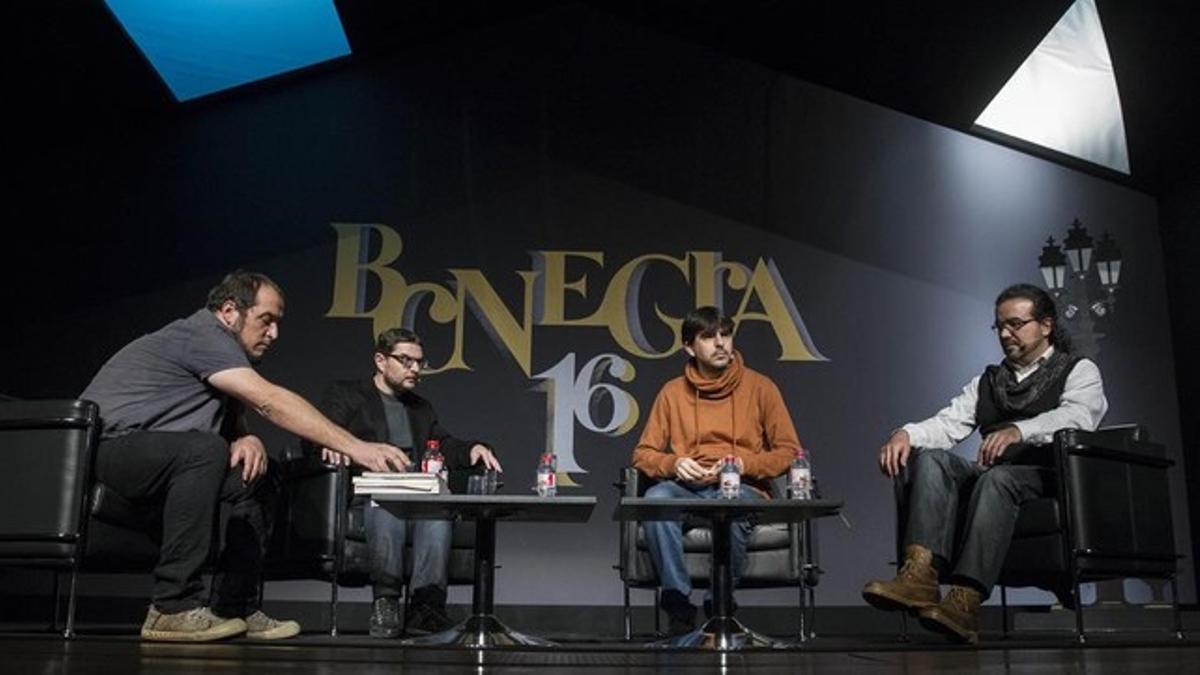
(546, 483)
(731, 484)
(431, 465)
(799, 482)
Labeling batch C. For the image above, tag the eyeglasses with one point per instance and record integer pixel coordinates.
(408, 362)
(1013, 325)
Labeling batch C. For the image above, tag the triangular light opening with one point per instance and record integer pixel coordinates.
(1064, 96)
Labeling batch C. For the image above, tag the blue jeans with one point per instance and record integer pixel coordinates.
(664, 538)
(386, 535)
(965, 513)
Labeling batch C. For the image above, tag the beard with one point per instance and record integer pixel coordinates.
(236, 331)
(399, 385)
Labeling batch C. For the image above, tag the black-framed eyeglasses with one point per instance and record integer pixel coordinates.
(1013, 325)
(409, 362)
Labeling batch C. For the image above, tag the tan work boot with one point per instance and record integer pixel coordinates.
(956, 616)
(192, 625)
(914, 588)
(259, 626)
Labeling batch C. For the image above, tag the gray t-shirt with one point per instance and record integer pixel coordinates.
(399, 429)
(159, 382)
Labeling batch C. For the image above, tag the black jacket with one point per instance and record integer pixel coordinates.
(356, 406)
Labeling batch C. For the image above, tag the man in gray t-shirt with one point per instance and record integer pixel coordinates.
(174, 435)
(159, 382)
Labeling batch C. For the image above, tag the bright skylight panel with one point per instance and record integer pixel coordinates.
(203, 46)
(1064, 96)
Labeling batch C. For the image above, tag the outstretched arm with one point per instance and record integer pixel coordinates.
(291, 412)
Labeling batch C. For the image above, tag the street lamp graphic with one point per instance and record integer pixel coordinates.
(1074, 290)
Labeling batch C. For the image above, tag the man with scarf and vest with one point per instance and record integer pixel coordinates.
(718, 407)
(961, 514)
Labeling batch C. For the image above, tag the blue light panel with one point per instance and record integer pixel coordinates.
(203, 46)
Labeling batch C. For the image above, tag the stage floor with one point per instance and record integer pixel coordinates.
(318, 653)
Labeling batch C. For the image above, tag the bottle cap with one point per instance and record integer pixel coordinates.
(433, 444)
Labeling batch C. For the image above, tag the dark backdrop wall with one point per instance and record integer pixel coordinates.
(543, 202)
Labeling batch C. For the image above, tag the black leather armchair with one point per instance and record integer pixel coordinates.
(778, 555)
(319, 532)
(44, 500)
(53, 515)
(1107, 517)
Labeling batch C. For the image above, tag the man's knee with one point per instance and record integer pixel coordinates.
(928, 465)
(663, 490)
(436, 532)
(925, 459)
(1000, 480)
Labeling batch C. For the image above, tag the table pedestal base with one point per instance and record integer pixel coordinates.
(480, 631)
(724, 634)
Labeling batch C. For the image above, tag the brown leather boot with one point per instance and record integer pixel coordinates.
(914, 588)
(956, 616)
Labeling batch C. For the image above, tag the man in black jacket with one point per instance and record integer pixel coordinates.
(385, 408)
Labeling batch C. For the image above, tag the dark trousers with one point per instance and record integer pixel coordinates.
(187, 475)
(965, 513)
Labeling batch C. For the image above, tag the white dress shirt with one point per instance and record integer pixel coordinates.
(1081, 406)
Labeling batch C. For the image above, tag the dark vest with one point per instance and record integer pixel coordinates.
(1002, 400)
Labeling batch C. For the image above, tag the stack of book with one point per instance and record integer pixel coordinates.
(380, 483)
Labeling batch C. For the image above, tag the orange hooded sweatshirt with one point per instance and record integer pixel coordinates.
(741, 412)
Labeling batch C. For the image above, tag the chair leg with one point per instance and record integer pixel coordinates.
(628, 615)
(333, 607)
(812, 612)
(657, 600)
(69, 632)
(404, 609)
(803, 636)
(57, 601)
(1004, 610)
(1175, 609)
(1079, 634)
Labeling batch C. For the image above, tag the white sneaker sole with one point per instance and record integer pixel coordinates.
(284, 630)
(225, 629)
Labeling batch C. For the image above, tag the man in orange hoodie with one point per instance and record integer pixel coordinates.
(718, 407)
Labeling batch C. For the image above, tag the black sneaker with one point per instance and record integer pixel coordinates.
(681, 613)
(680, 625)
(428, 612)
(385, 618)
(429, 619)
(708, 609)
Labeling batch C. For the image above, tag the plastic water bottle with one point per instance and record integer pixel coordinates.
(547, 475)
(731, 480)
(433, 462)
(800, 476)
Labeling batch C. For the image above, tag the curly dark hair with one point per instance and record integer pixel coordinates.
(1043, 308)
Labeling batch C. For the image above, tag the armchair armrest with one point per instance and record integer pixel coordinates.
(627, 485)
(50, 447)
(630, 483)
(306, 466)
(1126, 445)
